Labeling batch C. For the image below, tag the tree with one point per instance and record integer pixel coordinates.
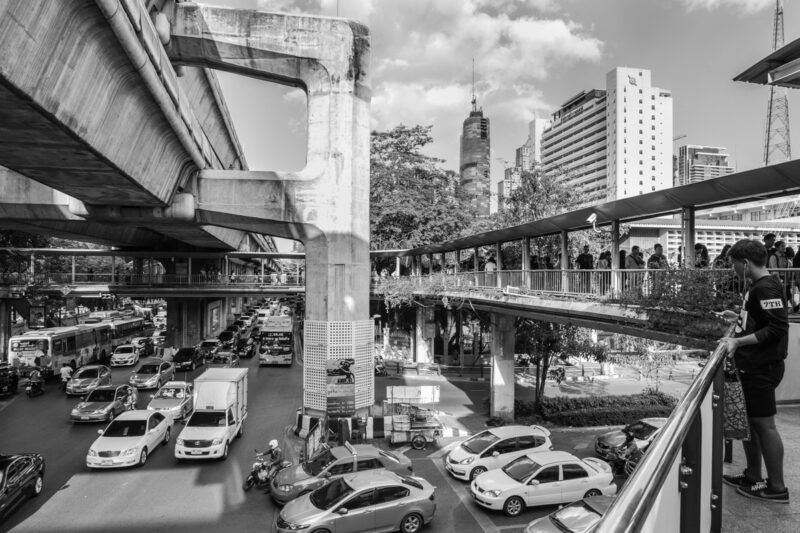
(413, 201)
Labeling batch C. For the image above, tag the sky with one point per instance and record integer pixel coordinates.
(530, 57)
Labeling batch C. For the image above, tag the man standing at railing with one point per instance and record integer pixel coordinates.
(759, 347)
(585, 261)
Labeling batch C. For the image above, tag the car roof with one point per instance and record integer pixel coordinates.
(656, 422)
(84, 367)
(210, 339)
(372, 479)
(136, 414)
(361, 449)
(113, 386)
(515, 430)
(6, 458)
(546, 458)
(126, 345)
(175, 384)
(152, 361)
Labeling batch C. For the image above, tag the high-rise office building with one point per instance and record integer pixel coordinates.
(527, 157)
(613, 143)
(575, 144)
(698, 163)
(475, 165)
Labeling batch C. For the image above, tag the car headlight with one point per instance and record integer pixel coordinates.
(494, 493)
(92, 453)
(129, 451)
(99, 411)
(295, 527)
(216, 441)
(467, 461)
(152, 379)
(285, 488)
(179, 442)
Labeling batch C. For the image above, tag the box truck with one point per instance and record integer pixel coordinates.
(220, 408)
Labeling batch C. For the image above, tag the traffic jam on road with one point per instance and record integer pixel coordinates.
(503, 470)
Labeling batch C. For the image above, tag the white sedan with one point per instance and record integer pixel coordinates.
(544, 478)
(129, 439)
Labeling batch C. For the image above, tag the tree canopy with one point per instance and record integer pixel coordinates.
(413, 201)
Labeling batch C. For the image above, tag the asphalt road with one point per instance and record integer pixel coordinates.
(207, 496)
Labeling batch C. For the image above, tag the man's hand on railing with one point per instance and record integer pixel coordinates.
(728, 315)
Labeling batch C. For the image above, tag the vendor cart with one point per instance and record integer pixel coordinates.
(414, 417)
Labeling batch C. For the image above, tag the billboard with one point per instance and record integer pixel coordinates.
(341, 387)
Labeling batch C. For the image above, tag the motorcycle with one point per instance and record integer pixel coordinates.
(380, 368)
(34, 388)
(262, 472)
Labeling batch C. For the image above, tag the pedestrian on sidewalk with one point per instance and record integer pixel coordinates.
(759, 347)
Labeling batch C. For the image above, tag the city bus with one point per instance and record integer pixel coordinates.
(276, 341)
(82, 344)
(123, 330)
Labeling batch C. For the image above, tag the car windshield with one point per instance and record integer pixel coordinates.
(148, 369)
(390, 455)
(170, 393)
(318, 463)
(640, 430)
(479, 442)
(101, 395)
(220, 359)
(577, 517)
(207, 419)
(86, 373)
(226, 335)
(184, 354)
(331, 494)
(208, 344)
(521, 468)
(124, 349)
(125, 428)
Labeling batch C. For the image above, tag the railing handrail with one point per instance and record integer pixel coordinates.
(630, 509)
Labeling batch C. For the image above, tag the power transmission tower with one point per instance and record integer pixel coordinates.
(777, 146)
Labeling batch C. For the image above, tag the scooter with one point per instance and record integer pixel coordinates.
(34, 388)
(262, 473)
(380, 368)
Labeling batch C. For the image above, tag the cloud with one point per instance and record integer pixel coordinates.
(745, 6)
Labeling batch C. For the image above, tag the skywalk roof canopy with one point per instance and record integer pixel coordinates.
(781, 67)
(757, 184)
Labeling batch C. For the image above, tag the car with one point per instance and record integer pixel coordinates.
(9, 379)
(105, 403)
(87, 378)
(125, 355)
(331, 463)
(129, 439)
(241, 325)
(159, 337)
(495, 447)
(175, 397)
(21, 477)
(542, 478)
(187, 359)
(617, 445)
(577, 517)
(245, 348)
(152, 373)
(374, 501)
(223, 359)
(227, 338)
(633, 461)
(144, 345)
(247, 320)
(208, 347)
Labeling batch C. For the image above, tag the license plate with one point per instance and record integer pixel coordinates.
(194, 452)
(106, 462)
(84, 418)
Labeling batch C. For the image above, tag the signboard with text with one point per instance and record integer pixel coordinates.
(341, 387)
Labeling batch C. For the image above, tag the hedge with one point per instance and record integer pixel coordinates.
(597, 410)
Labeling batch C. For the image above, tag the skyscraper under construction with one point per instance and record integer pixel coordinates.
(475, 160)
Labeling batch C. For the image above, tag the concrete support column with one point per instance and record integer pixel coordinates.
(73, 269)
(564, 261)
(113, 274)
(475, 261)
(456, 268)
(616, 276)
(184, 321)
(5, 327)
(424, 332)
(688, 229)
(526, 262)
(430, 264)
(459, 330)
(33, 267)
(397, 266)
(502, 387)
(189, 270)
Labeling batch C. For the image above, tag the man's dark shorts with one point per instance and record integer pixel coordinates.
(759, 389)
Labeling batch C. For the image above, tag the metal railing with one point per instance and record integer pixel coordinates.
(106, 278)
(682, 468)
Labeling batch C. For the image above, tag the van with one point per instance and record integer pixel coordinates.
(220, 409)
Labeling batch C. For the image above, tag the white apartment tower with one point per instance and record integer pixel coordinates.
(639, 142)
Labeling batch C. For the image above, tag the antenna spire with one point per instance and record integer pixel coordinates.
(474, 99)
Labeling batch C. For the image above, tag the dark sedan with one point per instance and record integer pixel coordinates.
(187, 359)
(227, 338)
(245, 348)
(21, 477)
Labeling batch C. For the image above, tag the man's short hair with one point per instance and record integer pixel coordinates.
(769, 236)
(751, 250)
(658, 246)
(634, 248)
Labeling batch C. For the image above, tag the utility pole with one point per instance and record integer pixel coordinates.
(777, 147)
